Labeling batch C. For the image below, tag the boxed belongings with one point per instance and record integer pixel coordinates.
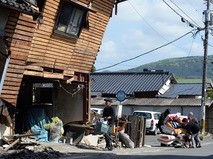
(101, 128)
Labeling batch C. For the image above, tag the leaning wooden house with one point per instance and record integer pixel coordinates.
(47, 51)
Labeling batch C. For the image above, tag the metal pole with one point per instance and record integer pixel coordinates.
(205, 44)
(4, 73)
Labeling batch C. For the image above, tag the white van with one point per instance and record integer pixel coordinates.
(97, 110)
(151, 120)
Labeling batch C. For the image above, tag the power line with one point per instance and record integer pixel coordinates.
(146, 21)
(184, 12)
(182, 18)
(182, 70)
(151, 25)
(147, 51)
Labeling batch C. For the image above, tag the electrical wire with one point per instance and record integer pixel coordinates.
(146, 21)
(184, 13)
(149, 24)
(182, 18)
(147, 51)
(182, 70)
(80, 87)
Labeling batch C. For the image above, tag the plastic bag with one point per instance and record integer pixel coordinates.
(43, 133)
(56, 129)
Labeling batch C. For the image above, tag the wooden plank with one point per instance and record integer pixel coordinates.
(20, 43)
(12, 66)
(11, 83)
(14, 75)
(53, 4)
(25, 28)
(26, 23)
(22, 37)
(11, 88)
(58, 54)
(35, 57)
(33, 73)
(18, 50)
(50, 14)
(53, 75)
(27, 18)
(35, 61)
(24, 32)
(8, 96)
(11, 92)
(12, 79)
(42, 32)
(35, 68)
(19, 57)
(68, 73)
(18, 62)
(15, 71)
(20, 46)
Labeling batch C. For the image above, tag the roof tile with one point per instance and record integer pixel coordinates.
(21, 6)
(129, 82)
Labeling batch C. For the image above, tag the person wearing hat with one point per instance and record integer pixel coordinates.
(194, 130)
(190, 116)
(109, 115)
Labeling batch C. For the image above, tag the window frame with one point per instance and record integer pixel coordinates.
(38, 91)
(82, 23)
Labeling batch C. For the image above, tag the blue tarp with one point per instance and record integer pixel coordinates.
(37, 119)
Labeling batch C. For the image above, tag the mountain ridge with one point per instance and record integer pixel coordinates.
(190, 67)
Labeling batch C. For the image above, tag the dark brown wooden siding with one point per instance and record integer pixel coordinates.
(50, 50)
(19, 30)
(37, 51)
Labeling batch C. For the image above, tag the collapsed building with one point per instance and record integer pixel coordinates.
(47, 50)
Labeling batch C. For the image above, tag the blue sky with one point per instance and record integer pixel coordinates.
(143, 25)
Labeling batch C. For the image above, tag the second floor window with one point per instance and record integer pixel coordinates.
(71, 19)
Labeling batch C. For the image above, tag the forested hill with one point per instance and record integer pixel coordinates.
(185, 67)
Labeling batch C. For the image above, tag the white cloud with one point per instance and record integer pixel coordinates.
(141, 26)
(108, 50)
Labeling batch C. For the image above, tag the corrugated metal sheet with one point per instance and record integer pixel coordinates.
(192, 89)
(155, 102)
(129, 82)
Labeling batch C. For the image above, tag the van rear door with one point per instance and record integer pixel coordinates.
(147, 115)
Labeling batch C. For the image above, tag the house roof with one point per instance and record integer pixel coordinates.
(186, 89)
(129, 82)
(20, 6)
(155, 102)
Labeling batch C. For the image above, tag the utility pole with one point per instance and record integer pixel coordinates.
(205, 45)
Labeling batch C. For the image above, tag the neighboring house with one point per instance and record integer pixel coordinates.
(143, 93)
(51, 54)
(183, 90)
(136, 85)
(145, 84)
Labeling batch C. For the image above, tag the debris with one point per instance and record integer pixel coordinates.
(56, 129)
(18, 139)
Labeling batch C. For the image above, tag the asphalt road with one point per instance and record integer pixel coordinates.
(152, 150)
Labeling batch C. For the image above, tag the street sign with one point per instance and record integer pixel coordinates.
(120, 96)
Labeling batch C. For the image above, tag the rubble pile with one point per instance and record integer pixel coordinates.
(33, 153)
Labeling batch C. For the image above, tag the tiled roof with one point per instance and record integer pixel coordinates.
(129, 82)
(185, 89)
(154, 102)
(18, 5)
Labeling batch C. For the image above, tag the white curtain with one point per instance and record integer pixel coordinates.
(75, 21)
